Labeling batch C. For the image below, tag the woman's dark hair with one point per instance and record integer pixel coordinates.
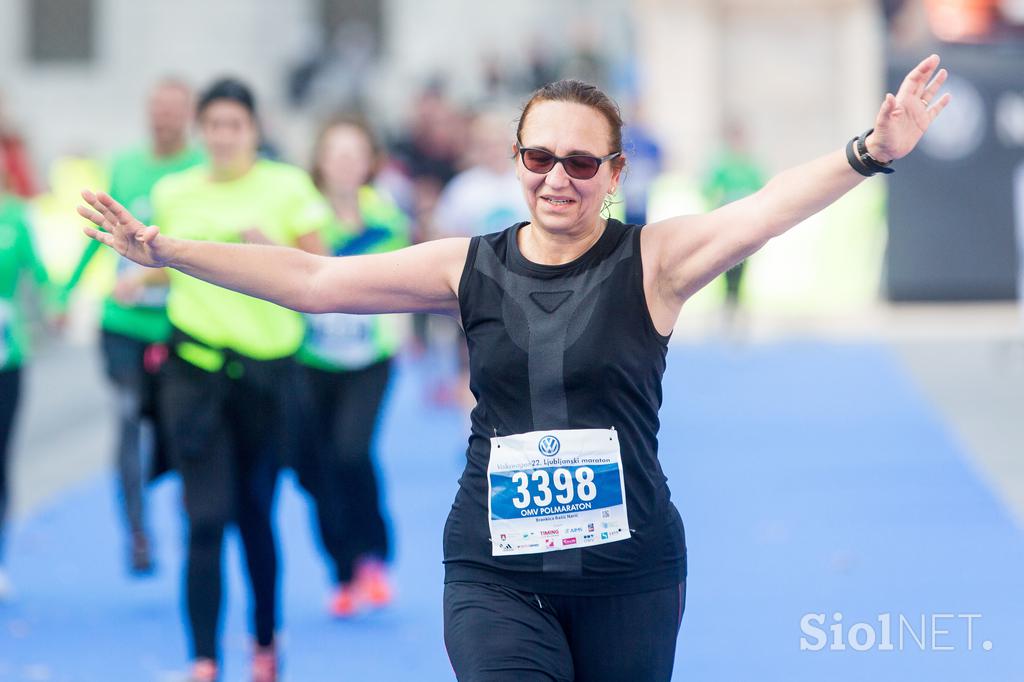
(230, 89)
(578, 92)
(346, 121)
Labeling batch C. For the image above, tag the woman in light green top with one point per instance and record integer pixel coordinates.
(346, 361)
(220, 396)
(17, 259)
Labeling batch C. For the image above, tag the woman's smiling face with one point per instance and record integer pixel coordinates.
(557, 202)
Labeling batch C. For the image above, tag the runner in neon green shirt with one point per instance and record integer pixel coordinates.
(134, 315)
(347, 363)
(231, 360)
(270, 202)
(18, 258)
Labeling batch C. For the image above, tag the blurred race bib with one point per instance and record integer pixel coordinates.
(153, 295)
(343, 339)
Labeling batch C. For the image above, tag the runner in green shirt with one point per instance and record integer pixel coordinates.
(733, 175)
(18, 258)
(347, 362)
(134, 321)
(230, 358)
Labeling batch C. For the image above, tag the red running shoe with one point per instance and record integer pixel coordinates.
(347, 601)
(203, 670)
(264, 664)
(372, 583)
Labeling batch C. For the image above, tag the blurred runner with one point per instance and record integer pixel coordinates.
(428, 154)
(18, 258)
(733, 175)
(134, 324)
(346, 362)
(645, 165)
(230, 357)
(14, 159)
(484, 198)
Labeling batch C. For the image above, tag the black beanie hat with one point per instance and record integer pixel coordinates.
(229, 89)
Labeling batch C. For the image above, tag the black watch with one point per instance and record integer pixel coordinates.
(860, 158)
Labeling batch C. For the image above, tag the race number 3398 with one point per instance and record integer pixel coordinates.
(554, 490)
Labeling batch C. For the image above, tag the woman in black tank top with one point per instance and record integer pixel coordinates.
(564, 556)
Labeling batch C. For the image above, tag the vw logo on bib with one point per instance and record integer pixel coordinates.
(571, 496)
(549, 446)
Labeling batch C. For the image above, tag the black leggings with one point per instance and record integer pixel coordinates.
(733, 279)
(495, 633)
(10, 391)
(224, 436)
(340, 413)
(135, 392)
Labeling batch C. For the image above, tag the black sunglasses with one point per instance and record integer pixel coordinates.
(579, 166)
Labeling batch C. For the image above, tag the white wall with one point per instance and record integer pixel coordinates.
(802, 75)
(96, 108)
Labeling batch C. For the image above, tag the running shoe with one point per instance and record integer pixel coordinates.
(264, 664)
(203, 670)
(346, 602)
(372, 583)
(140, 557)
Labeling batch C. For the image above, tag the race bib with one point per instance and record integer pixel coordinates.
(553, 490)
(346, 340)
(6, 330)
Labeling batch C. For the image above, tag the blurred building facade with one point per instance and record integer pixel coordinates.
(800, 76)
(802, 73)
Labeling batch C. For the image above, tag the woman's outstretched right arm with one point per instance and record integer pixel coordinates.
(421, 278)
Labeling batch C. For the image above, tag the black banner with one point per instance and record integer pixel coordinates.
(954, 202)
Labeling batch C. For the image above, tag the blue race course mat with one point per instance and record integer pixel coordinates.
(813, 479)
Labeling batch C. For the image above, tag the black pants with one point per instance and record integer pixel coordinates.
(340, 413)
(733, 280)
(10, 392)
(494, 633)
(140, 440)
(224, 436)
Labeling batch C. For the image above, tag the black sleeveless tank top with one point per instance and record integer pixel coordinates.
(567, 346)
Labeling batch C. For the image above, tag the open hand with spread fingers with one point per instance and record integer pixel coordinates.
(119, 229)
(905, 116)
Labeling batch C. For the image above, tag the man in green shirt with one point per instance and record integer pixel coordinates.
(733, 175)
(134, 320)
(17, 258)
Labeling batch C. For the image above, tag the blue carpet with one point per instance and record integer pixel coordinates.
(813, 479)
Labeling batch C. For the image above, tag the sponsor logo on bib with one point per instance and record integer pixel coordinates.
(549, 446)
